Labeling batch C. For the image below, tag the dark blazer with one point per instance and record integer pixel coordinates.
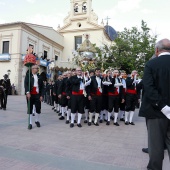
(92, 88)
(130, 85)
(156, 84)
(75, 83)
(62, 86)
(112, 89)
(40, 84)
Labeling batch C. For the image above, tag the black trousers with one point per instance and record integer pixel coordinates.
(131, 100)
(77, 104)
(158, 135)
(35, 100)
(64, 101)
(114, 102)
(96, 104)
(104, 102)
(3, 99)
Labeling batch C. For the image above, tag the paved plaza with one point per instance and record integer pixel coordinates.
(56, 146)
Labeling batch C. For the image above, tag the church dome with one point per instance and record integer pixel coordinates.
(110, 31)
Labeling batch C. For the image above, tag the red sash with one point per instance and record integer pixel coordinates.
(131, 91)
(80, 92)
(33, 91)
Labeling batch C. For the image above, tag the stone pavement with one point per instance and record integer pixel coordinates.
(55, 146)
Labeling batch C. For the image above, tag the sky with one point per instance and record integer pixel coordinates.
(122, 13)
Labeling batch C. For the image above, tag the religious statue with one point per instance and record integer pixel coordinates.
(87, 46)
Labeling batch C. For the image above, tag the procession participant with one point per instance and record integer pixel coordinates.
(48, 89)
(115, 94)
(68, 94)
(55, 93)
(104, 113)
(62, 95)
(123, 77)
(94, 93)
(77, 98)
(45, 92)
(132, 96)
(52, 95)
(35, 94)
(87, 103)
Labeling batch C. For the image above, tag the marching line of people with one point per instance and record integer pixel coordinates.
(98, 96)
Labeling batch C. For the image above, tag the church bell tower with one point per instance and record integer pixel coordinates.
(81, 8)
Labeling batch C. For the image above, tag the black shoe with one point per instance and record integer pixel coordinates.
(79, 125)
(116, 124)
(105, 120)
(62, 118)
(89, 124)
(29, 126)
(101, 121)
(131, 123)
(53, 108)
(4, 108)
(122, 119)
(126, 123)
(33, 114)
(38, 124)
(85, 121)
(67, 122)
(59, 114)
(0, 108)
(96, 124)
(145, 150)
(71, 125)
(108, 123)
(75, 121)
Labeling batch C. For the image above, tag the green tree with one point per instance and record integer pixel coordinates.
(134, 47)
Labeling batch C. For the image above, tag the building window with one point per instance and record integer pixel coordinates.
(45, 54)
(56, 57)
(78, 41)
(5, 48)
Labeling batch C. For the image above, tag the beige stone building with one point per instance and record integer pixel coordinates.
(14, 41)
(49, 44)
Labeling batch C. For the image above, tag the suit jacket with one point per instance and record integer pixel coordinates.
(92, 88)
(112, 89)
(40, 83)
(156, 84)
(62, 86)
(130, 85)
(75, 83)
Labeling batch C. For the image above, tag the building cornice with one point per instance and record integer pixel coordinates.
(24, 26)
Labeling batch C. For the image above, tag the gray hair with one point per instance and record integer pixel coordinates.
(163, 45)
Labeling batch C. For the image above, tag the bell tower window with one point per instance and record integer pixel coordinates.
(76, 8)
(84, 7)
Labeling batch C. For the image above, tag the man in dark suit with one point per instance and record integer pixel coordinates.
(77, 97)
(94, 93)
(156, 104)
(6, 86)
(35, 93)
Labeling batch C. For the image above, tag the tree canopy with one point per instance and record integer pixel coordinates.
(134, 47)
